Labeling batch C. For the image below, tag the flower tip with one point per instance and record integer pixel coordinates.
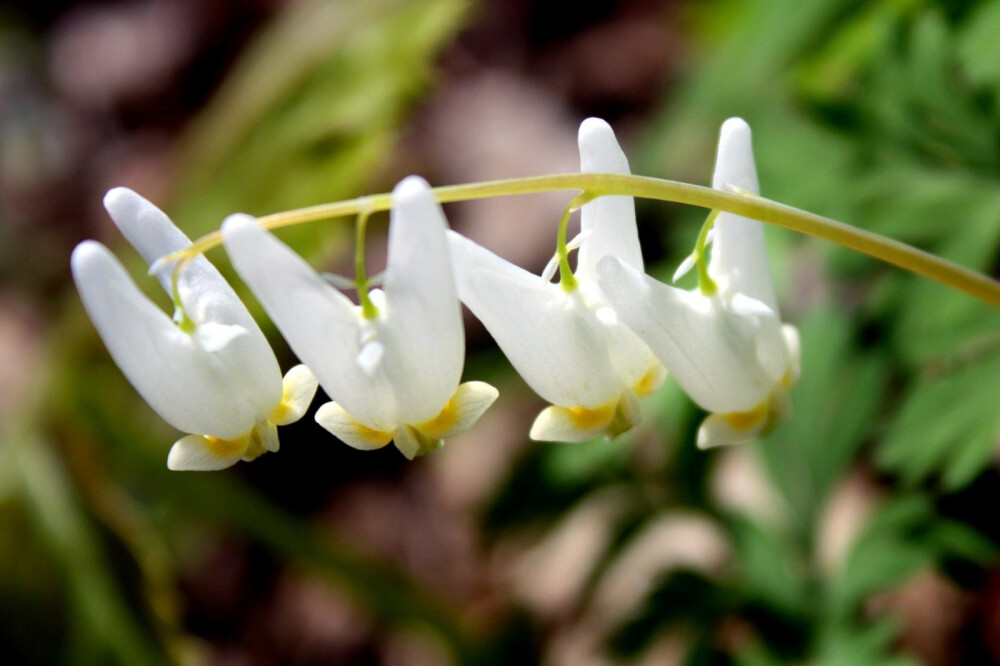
(734, 126)
(237, 221)
(592, 128)
(410, 186)
(734, 163)
(120, 198)
(126, 208)
(599, 149)
(84, 253)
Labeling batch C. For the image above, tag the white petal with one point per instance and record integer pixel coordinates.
(207, 297)
(577, 241)
(190, 388)
(710, 350)
(610, 221)
(571, 424)
(195, 453)
(739, 255)
(154, 235)
(715, 431)
(791, 335)
(412, 443)
(766, 329)
(685, 267)
(263, 438)
(370, 357)
(631, 358)
(550, 269)
(320, 324)
(425, 340)
(216, 337)
(551, 338)
(469, 403)
(349, 430)
(145, 227)
(297, 390)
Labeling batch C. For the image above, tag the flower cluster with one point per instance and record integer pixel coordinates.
(728, 349)
(590, 345)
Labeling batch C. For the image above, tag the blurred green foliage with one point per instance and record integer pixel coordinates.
(881, 114)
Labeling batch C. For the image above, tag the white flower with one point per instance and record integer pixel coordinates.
(729, 350)
(213, 373)
(569, 346)
(394, 377)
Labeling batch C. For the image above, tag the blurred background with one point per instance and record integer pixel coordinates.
(862, 531)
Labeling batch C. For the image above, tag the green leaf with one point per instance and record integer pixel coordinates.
(771, 571)
(105, 626)
(312, 107)
(948, 424)
(886, 553)
(833, 406)
(845, 644)
(683, 598)
(977, 49)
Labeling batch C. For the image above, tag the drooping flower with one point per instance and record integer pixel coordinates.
(394, 376)
(569, 345)
(211, 372)
(728, 350)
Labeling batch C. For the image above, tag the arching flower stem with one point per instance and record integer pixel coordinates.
(596, 185)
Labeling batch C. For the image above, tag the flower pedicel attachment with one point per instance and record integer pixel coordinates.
(393, 372)
(725, 346)
(568, 344)
(210, 371)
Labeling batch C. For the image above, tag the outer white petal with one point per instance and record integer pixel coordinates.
(320, 324)
(631, 358)
(264, 438)
(739, 255)
(715, 431)
(791, 335)
(349, 430)
(709, 349)
(465, 407)
(412, 443)
(207, 297)
(145, 226)
(194, 453)
(765, 327)
(297, 390)
(422, 328)
(609, 220)
(551, 338)
(566, 424)
(188, 387)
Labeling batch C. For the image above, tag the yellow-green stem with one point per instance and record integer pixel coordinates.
(600, 184)
(368, 309)
(566, 278)
(184, 322)
(706, 284)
